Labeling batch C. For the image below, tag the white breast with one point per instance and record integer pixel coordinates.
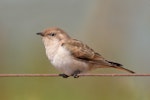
(65, 63)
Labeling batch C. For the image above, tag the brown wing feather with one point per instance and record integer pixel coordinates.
(83, 52)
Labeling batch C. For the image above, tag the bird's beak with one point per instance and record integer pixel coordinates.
(40, 33)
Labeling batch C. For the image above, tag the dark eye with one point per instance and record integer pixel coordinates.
(52, 34)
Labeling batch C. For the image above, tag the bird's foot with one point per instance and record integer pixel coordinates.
(75, 74)
(64, 75)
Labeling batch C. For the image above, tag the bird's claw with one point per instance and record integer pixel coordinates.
(64, 75)
(75, 74)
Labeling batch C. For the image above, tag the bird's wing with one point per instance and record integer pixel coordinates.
(81, 51)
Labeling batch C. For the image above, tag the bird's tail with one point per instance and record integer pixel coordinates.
(119, 66)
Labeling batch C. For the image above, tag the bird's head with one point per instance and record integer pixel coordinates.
(53, 35)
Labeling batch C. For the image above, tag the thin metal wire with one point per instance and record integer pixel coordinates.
(56, 75)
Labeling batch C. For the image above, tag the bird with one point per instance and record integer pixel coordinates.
(71, 56)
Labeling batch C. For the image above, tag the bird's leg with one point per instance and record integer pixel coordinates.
(64, 75)
(75, 74)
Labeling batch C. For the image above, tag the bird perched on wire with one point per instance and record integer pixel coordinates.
(71, 56)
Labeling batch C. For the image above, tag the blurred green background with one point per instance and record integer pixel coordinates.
(117, 29)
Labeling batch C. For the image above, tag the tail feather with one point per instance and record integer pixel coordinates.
(119, 66)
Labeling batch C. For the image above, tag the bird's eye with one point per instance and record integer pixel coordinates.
(52, 34)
